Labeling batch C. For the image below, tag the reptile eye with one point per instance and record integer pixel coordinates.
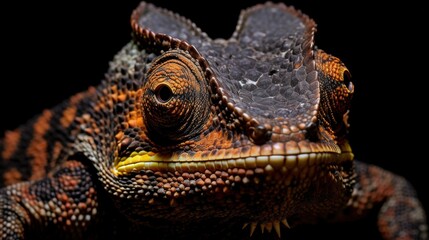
(163, 93)
(175, 101)
(347, 79)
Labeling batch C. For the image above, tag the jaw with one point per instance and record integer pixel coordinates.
(283, 156)
(258, 187)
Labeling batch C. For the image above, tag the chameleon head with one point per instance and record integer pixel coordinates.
(233, 124)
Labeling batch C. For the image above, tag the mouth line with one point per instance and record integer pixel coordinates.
(269, 162)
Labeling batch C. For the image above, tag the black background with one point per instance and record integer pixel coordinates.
(50, 51)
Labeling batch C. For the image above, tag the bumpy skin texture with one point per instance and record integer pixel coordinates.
(189, 136)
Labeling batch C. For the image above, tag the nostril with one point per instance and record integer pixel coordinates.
(259, 134)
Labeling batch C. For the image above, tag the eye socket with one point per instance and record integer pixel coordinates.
(175, 100)
(347, 77)
(163, 93)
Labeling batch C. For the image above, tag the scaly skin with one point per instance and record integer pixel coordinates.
(189, 136)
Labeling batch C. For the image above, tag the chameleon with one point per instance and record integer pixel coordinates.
(188, 136)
